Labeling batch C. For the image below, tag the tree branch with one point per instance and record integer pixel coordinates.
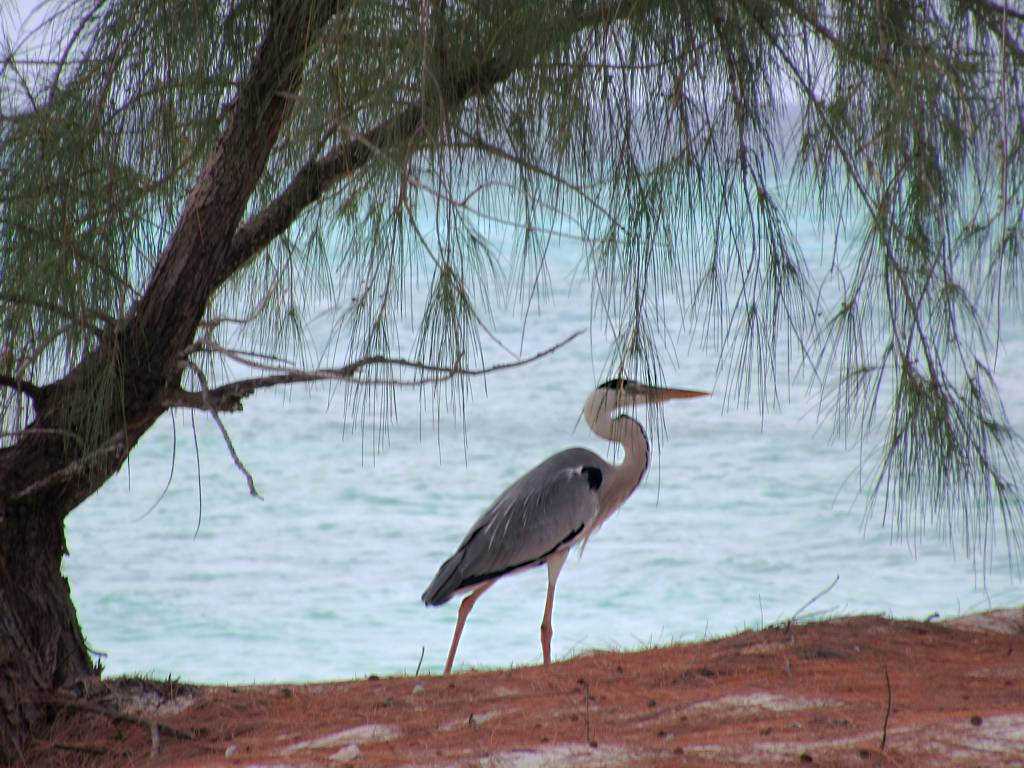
(313, 180)
(197, 258)
(994, 17)
(33, 391)
(223, 430)
(229, 397)
(147, 344)
(996, 8)
(458, 82)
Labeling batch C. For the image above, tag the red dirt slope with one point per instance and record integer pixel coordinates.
(813, 694)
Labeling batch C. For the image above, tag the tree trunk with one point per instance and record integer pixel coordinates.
(44, 475)
(41, 643)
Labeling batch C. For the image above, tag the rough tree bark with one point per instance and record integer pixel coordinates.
(42, 645)
(46, 473)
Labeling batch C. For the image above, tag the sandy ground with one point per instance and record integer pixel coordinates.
(863, 691)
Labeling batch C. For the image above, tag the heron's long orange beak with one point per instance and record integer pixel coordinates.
(661, 394)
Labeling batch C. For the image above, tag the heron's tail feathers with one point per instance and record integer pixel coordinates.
(446, 582)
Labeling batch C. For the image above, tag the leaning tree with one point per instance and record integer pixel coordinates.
(180, 183)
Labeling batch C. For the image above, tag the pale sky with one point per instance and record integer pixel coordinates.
(16, 17)
(14, 13)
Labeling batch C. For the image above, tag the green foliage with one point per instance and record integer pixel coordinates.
(676, 140)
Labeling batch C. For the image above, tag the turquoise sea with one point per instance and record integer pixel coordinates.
(742, 519)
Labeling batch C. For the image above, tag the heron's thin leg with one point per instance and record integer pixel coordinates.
(555, 563)
(464, 609)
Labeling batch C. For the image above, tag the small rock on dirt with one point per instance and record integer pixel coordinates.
(346, 754)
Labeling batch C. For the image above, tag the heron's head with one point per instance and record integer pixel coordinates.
(625, 394)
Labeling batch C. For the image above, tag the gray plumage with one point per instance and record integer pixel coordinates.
(556, 505)
(545, 511)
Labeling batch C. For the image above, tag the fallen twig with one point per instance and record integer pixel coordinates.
(586, 699)
(809, 603)
(888, 707)
(119, 717)
(423, 650)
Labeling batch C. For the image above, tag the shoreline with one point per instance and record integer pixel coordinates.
(859, 690)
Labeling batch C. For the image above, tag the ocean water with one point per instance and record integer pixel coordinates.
(742, 519)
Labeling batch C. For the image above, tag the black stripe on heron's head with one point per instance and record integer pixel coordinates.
(617, 384)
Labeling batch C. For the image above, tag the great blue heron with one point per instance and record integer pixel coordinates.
(559, 503)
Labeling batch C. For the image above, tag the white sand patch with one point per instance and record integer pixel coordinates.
(996, 737)
(996, 741)
(370, 732)
(1006, 672)
(358, 735)
(562, 756)
(1008, 621)
(346, 754)
(760, 701)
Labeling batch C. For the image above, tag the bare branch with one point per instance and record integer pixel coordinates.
(247, 357)
(477, 142)
(214, 322)
(229, 397)
(223, 430)
(809, 603)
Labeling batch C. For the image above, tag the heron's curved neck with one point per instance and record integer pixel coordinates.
(625, 431)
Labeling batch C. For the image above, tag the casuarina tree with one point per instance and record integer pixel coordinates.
(181, 183)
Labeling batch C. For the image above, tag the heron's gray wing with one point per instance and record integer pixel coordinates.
(541, 513)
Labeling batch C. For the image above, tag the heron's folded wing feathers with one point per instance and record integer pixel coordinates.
(532, 522)
(544, 511)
